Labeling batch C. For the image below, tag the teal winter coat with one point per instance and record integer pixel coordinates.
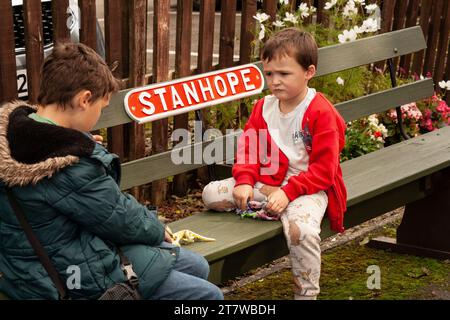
(68, 187)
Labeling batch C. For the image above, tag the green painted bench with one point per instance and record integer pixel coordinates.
(415, 173)
(409, 173)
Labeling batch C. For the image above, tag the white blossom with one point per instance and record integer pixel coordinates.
(262, 33)
(350, 9)
(445, 84)
(329, 5)
(371, 7)
(347, 35)
(370, 25)
(278, 23)
(361, 2)
(304, 11)
(340, 81)
(285, 2)
(261, 17)
(291, 18)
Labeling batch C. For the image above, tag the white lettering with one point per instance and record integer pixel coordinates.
(161, 92)
(206, 89)
(176, 99)
(233, 81)
(191, 92)
(221, 91)
(74, 280)
(246, 80)
(150, 106)
(374, 281)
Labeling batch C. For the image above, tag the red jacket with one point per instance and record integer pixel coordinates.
(326, 130)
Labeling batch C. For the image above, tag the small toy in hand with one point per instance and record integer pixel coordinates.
(256, 210)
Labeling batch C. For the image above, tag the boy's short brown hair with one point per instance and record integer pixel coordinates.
(293, 42)
(71, 68)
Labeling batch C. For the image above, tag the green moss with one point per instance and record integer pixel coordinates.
(345, 276)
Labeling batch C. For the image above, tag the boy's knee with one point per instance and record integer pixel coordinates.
(299, 233)
(213, 293)
(212, 200)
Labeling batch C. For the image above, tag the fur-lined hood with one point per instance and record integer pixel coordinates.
(31, 151)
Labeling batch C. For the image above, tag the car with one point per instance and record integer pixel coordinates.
(73, 24)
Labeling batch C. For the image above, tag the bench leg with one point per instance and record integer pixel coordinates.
(425, 227)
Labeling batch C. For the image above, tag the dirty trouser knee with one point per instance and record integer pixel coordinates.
(218, 195)
(301, 225)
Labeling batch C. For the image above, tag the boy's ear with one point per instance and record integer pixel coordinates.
(310, 72)
(83, 99)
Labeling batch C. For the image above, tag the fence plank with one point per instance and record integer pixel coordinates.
(387, 13)
(247, 28)
(322, 17)
(182, 69)
(88, 26)
(411, 20)
(425, 11)
(433, 36)
(399, 21)
(34, 44)
(443, 53)
(227, 33)
(8, 83)
(270, 7)
(59, 17)
(116, 42)
(137, 46)
(160, 73)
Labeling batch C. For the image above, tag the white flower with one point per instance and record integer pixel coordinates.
(312, 9)
(373, 120)
(285, 2)
(304, 11)
(290, 18)
(371, 8)
(350, 9)
(262, 32)
(370, 25)
(361, 2)
(261, 17)
(445, 84)
(329, 5)
(278, 23)
(358, 29)
(340, 81)
(347, 35)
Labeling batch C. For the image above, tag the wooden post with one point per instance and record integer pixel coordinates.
(411, 20)
(443, 46)
(399, 21)
(205, 51)
(116, 42)
(34, 44)
(160, 74)
(322, 17)
(137, 47)
(88, 26)
(270, 7)
(425, 11)
(433, 37)
(182, 69)
(8, 83)
(387, 12)
(59, 17)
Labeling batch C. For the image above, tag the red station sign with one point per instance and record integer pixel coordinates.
(162, 100)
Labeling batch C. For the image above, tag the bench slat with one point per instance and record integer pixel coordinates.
(384, 100)
(362, 177)
(331, 59)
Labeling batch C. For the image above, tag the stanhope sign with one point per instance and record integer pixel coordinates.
(162, 100)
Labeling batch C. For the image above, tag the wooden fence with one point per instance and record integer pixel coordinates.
(126, 37)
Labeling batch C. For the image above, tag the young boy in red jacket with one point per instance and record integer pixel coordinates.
(297, 168)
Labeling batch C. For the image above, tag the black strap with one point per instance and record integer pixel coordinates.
(37, 246)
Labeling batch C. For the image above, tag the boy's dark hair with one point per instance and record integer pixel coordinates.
(293, 42)
(71, 68)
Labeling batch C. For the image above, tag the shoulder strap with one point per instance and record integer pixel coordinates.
(37, 246)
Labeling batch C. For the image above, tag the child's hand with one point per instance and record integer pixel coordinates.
(267, 190)
(277, 201)
(242, 194)
(97, 138)
(167, 237)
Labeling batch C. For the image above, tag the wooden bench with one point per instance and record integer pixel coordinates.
(415, 173)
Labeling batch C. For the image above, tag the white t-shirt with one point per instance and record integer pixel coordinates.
(285, 130)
